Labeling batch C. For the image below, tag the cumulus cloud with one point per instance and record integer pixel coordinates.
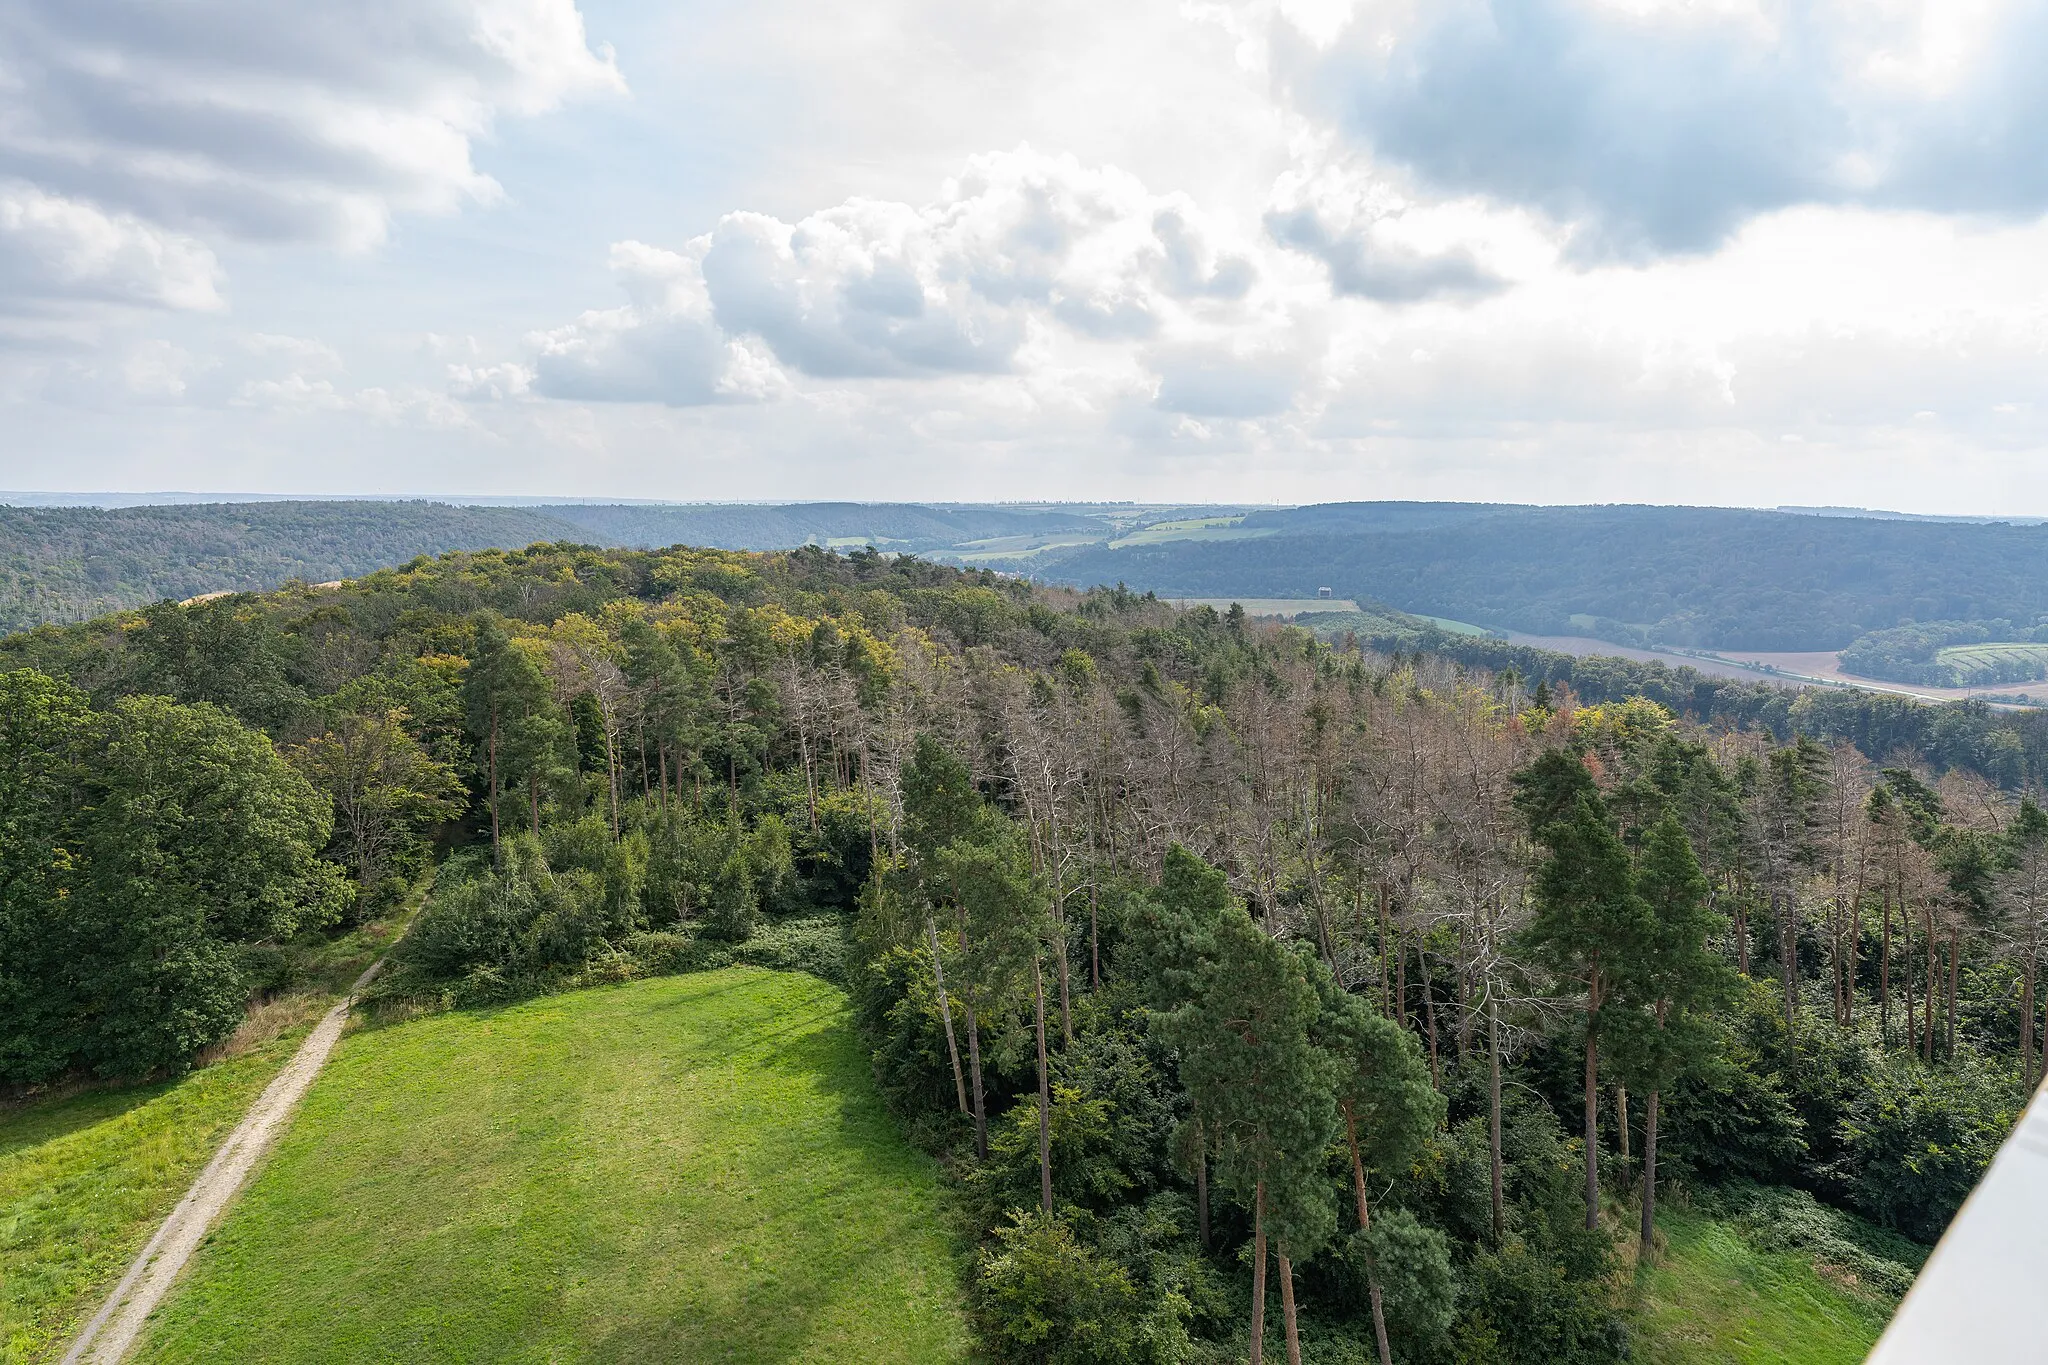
(1363, 262)
(131, 129)
(1655, 126)
(1019, 246)
(52, 247)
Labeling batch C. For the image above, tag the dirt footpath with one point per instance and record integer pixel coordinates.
(114, 1330)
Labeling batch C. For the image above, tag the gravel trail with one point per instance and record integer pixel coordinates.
(114, 1330)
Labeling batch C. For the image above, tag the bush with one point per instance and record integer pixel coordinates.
(1041, 1295)
(1522, 1306)
(1784, 1220)
(1418, 1291)
(1917, 1141)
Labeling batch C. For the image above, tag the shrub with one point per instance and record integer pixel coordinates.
(1042, 1295)
(1917, 1141)
(1522, 1306)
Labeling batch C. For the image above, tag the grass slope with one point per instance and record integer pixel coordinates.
(693, 1167)
(84, 1181)
(1715, 1300)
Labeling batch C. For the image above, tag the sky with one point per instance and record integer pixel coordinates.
(1737, 252)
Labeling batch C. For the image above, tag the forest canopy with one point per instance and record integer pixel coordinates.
(1248, 983)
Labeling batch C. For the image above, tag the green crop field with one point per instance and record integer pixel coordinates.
(1715, 1300)
(688, 1168)
(1192, 528)
(1998, 661)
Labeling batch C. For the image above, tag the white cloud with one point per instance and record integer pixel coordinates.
(53, 247)
(1660, 126)
(1019, 255)
(140, 129)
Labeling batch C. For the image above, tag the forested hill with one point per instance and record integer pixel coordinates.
(890, 525)
(70, 563)
(1668, 575)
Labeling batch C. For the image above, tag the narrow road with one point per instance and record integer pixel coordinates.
(113, 1331)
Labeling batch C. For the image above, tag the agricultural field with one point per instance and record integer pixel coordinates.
(1191, 528)
(1996, 662)
(693, 1167)
(1275, 606)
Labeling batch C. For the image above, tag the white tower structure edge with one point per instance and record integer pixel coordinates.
(1980, 1301)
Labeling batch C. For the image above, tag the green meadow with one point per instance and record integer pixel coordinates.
(694, 1167)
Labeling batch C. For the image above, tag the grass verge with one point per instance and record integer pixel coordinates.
(86, 1174)
(689, 1168)
(85, 1179)
(1713, 1298)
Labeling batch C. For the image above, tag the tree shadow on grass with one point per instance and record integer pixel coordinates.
(846, 1288)
(36, 1122)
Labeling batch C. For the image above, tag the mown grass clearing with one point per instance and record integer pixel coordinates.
(84, 1180)
(1715, 1300)
(693, 1167)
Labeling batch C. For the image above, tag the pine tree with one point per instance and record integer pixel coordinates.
(503, 689)
(1384, 1097)
(1672, 979)
(1588, 916)
(1267, 1092)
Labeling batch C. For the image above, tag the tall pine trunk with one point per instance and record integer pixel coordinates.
(1201, 1181)
(497, 856)
(1259, 1273)
(1933, 984)
(1884, 976)
(1493, 1117)
(946, 1015)
(2027, 1023)
(1955, 953)
(1436, 1080)
(1044, 1093)
(1649, 1175)
(1372, 1274)
(974, 1069)
(1593, 1103)
(1287, 1319)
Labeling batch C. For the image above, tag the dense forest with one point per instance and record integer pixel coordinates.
(72, 563)
(1635, 575)
(1256, 990)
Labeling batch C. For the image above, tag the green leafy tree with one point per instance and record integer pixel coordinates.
(503, 696)
(1171, 943)
(225, 651)
(1001, 919)
(187, 834)
(44, 733)
(1248, 1057)
(384, 786)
